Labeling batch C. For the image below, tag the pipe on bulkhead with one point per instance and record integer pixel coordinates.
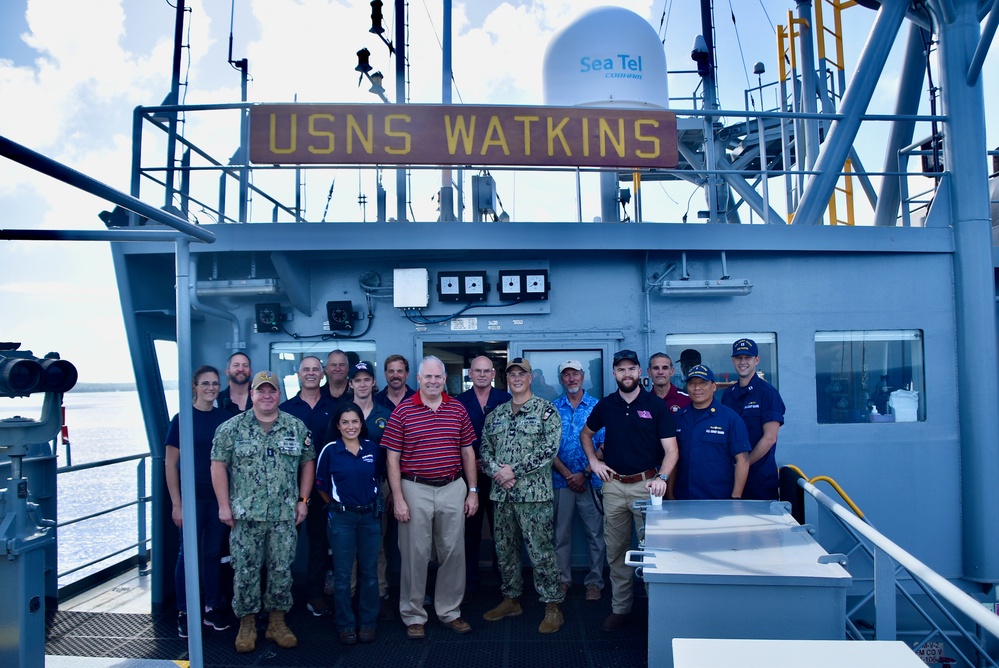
(237, 342)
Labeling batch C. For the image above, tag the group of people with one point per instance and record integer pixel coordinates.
(343, 459)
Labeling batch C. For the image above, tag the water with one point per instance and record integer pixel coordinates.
(102, 425)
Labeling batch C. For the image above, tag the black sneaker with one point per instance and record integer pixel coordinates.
(182, 624)
(215, 619)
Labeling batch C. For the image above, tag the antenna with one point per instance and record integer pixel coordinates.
(242, 63)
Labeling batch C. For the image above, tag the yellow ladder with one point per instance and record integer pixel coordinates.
(836, 33)
(787, 56)
(846, 189)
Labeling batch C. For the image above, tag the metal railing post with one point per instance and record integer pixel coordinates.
(885, 622)
(143, 553)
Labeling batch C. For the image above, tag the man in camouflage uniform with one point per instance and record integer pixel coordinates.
(519, 442)
(262, 470)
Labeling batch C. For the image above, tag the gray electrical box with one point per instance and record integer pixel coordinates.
(483, 196)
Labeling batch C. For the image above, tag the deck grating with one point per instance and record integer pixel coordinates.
(509, 642)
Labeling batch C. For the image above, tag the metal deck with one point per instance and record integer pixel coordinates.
(147, 640)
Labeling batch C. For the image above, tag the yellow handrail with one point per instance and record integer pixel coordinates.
(839, 490)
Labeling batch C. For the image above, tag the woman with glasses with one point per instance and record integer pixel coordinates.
(211, 532)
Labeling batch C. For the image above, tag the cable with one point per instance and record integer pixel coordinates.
(692, 193)
(454, 81)
(418, 318)
(424, 320)
(332, 335)
(738, 39)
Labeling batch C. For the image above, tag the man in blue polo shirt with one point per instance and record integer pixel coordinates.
(760, 406)
(314, 408)
(639, 453)
(714, 448)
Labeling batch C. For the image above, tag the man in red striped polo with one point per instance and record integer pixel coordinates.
(428, 443)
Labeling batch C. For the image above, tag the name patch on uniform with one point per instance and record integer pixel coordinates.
(751, 405)
(645, 414)
(715, 430)
(289, 446)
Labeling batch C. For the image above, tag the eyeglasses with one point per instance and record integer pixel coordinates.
(622, 355)
(208, 383)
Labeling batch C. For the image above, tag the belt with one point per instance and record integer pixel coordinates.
(341, 508)
(433, 482)
(635, 477)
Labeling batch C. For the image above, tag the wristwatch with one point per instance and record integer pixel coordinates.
(303, 499)
(663, 477)
(473, 489)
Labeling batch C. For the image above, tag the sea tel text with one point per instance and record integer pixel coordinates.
(418, 134)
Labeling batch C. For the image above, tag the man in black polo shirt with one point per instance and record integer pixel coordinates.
(639, 453)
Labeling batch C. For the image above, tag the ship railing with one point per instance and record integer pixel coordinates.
(896, 572)
(155, 116)
(138, 552)
(768, 133)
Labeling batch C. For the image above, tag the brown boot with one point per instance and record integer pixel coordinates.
(246, 639)
(553, 619)
(279, 632)
(510, 607)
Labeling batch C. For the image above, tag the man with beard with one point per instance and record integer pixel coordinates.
(236, 397)
(479, 401)
(639, 454)
(314, 409)
(661, 373)
(396, 369)
(336, 386)
(262, 472)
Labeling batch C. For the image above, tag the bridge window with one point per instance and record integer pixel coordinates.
(286, 356)
(869, 376)
(715, 352)
(547, 383)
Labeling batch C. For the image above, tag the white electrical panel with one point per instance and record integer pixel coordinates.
(411, 288)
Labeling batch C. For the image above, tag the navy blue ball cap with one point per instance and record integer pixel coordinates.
(701, 371)
(361, 367)
(745, 347)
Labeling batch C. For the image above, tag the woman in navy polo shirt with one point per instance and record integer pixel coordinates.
(211, 532)
(347, 479)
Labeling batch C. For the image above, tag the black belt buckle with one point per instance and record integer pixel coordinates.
(341, 508)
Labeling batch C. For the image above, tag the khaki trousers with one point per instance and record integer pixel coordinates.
(619, 517)
(436, 526)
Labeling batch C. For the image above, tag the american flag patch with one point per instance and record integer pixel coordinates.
(645, 414)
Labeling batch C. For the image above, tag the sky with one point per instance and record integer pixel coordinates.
(69, 92)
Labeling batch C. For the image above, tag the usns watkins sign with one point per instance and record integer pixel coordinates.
(417, 134)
